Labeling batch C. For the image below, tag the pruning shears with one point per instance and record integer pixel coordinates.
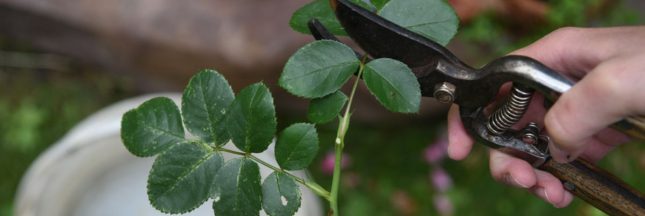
(449, 80)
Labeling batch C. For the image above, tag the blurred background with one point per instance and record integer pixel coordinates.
(62, 60)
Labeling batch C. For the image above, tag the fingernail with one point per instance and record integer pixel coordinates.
(558, 155)
(541, 192)
(547, 196)
(565, 201)
(515, 182)
(574, 155)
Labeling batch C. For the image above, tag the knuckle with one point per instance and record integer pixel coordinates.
(615, 82)
(609, 80)
(566, 32)
(620, 80)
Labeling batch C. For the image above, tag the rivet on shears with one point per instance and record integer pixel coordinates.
(444, 92)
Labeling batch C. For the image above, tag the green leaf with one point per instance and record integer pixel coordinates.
(318, 69)
(280, 195)
(238, 191)
(318, 9)
(296, 146)
(379, 3)
(322, 110)
(182, 177)
(434, 19)
(152, 127)
(393, 84)
(204, 104)
(251, 119)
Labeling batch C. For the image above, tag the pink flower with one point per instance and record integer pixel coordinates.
(327, 165)
(440, 179)
(436, 151)
(443, 204)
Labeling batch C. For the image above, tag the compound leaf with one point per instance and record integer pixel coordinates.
(280, 195)
(182, 177)
(393, 84)
(152, 127)
(296, 146)
(204, 104)
(324, 109)
(251, 119)
(318, 69)
(238, 191)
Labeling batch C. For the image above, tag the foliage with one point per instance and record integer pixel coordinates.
(204, 115)
(62, 99)
(190, 170)
(318, 69)
(296, 146)
(393, 84)
(250, 120)
(433, 19)
(322, 110)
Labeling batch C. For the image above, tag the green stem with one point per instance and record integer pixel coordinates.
(313, 186)
(343, 125)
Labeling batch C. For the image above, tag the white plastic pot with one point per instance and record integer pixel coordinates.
(89, 172)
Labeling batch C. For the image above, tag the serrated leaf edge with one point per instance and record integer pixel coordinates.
(345, 98)
(290, 90)
(300, 139)
(390, 84)
(134, 112)
(237, 180)
(200, 203)
(275, 119)
(208, 114)
(277, 183)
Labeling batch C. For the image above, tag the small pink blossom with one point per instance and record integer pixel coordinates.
(327, 165)
(440, 179)
(443, 204)
(436, 151)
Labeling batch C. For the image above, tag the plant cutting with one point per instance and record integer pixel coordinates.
(189, 139)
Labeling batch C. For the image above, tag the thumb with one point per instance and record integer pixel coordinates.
(598, 100)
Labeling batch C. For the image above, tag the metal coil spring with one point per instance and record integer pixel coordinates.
(511, 112)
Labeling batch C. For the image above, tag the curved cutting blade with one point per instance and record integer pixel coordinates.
(382, 38)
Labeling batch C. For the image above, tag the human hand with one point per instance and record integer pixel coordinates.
(609, 64)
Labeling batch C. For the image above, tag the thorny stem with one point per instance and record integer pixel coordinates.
(343, 125)
(320, 191)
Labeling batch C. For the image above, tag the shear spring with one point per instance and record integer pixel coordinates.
(511, 112)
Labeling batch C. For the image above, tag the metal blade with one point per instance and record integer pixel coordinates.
(382, 38)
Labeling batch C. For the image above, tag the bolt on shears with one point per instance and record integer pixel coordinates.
(449, 80)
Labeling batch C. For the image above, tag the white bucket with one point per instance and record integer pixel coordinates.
(89, 172)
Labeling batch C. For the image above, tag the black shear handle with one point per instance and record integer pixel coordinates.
(597, 187)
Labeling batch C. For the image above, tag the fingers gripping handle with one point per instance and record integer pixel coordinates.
(598, 187)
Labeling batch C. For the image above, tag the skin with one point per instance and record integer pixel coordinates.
(609, 67)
